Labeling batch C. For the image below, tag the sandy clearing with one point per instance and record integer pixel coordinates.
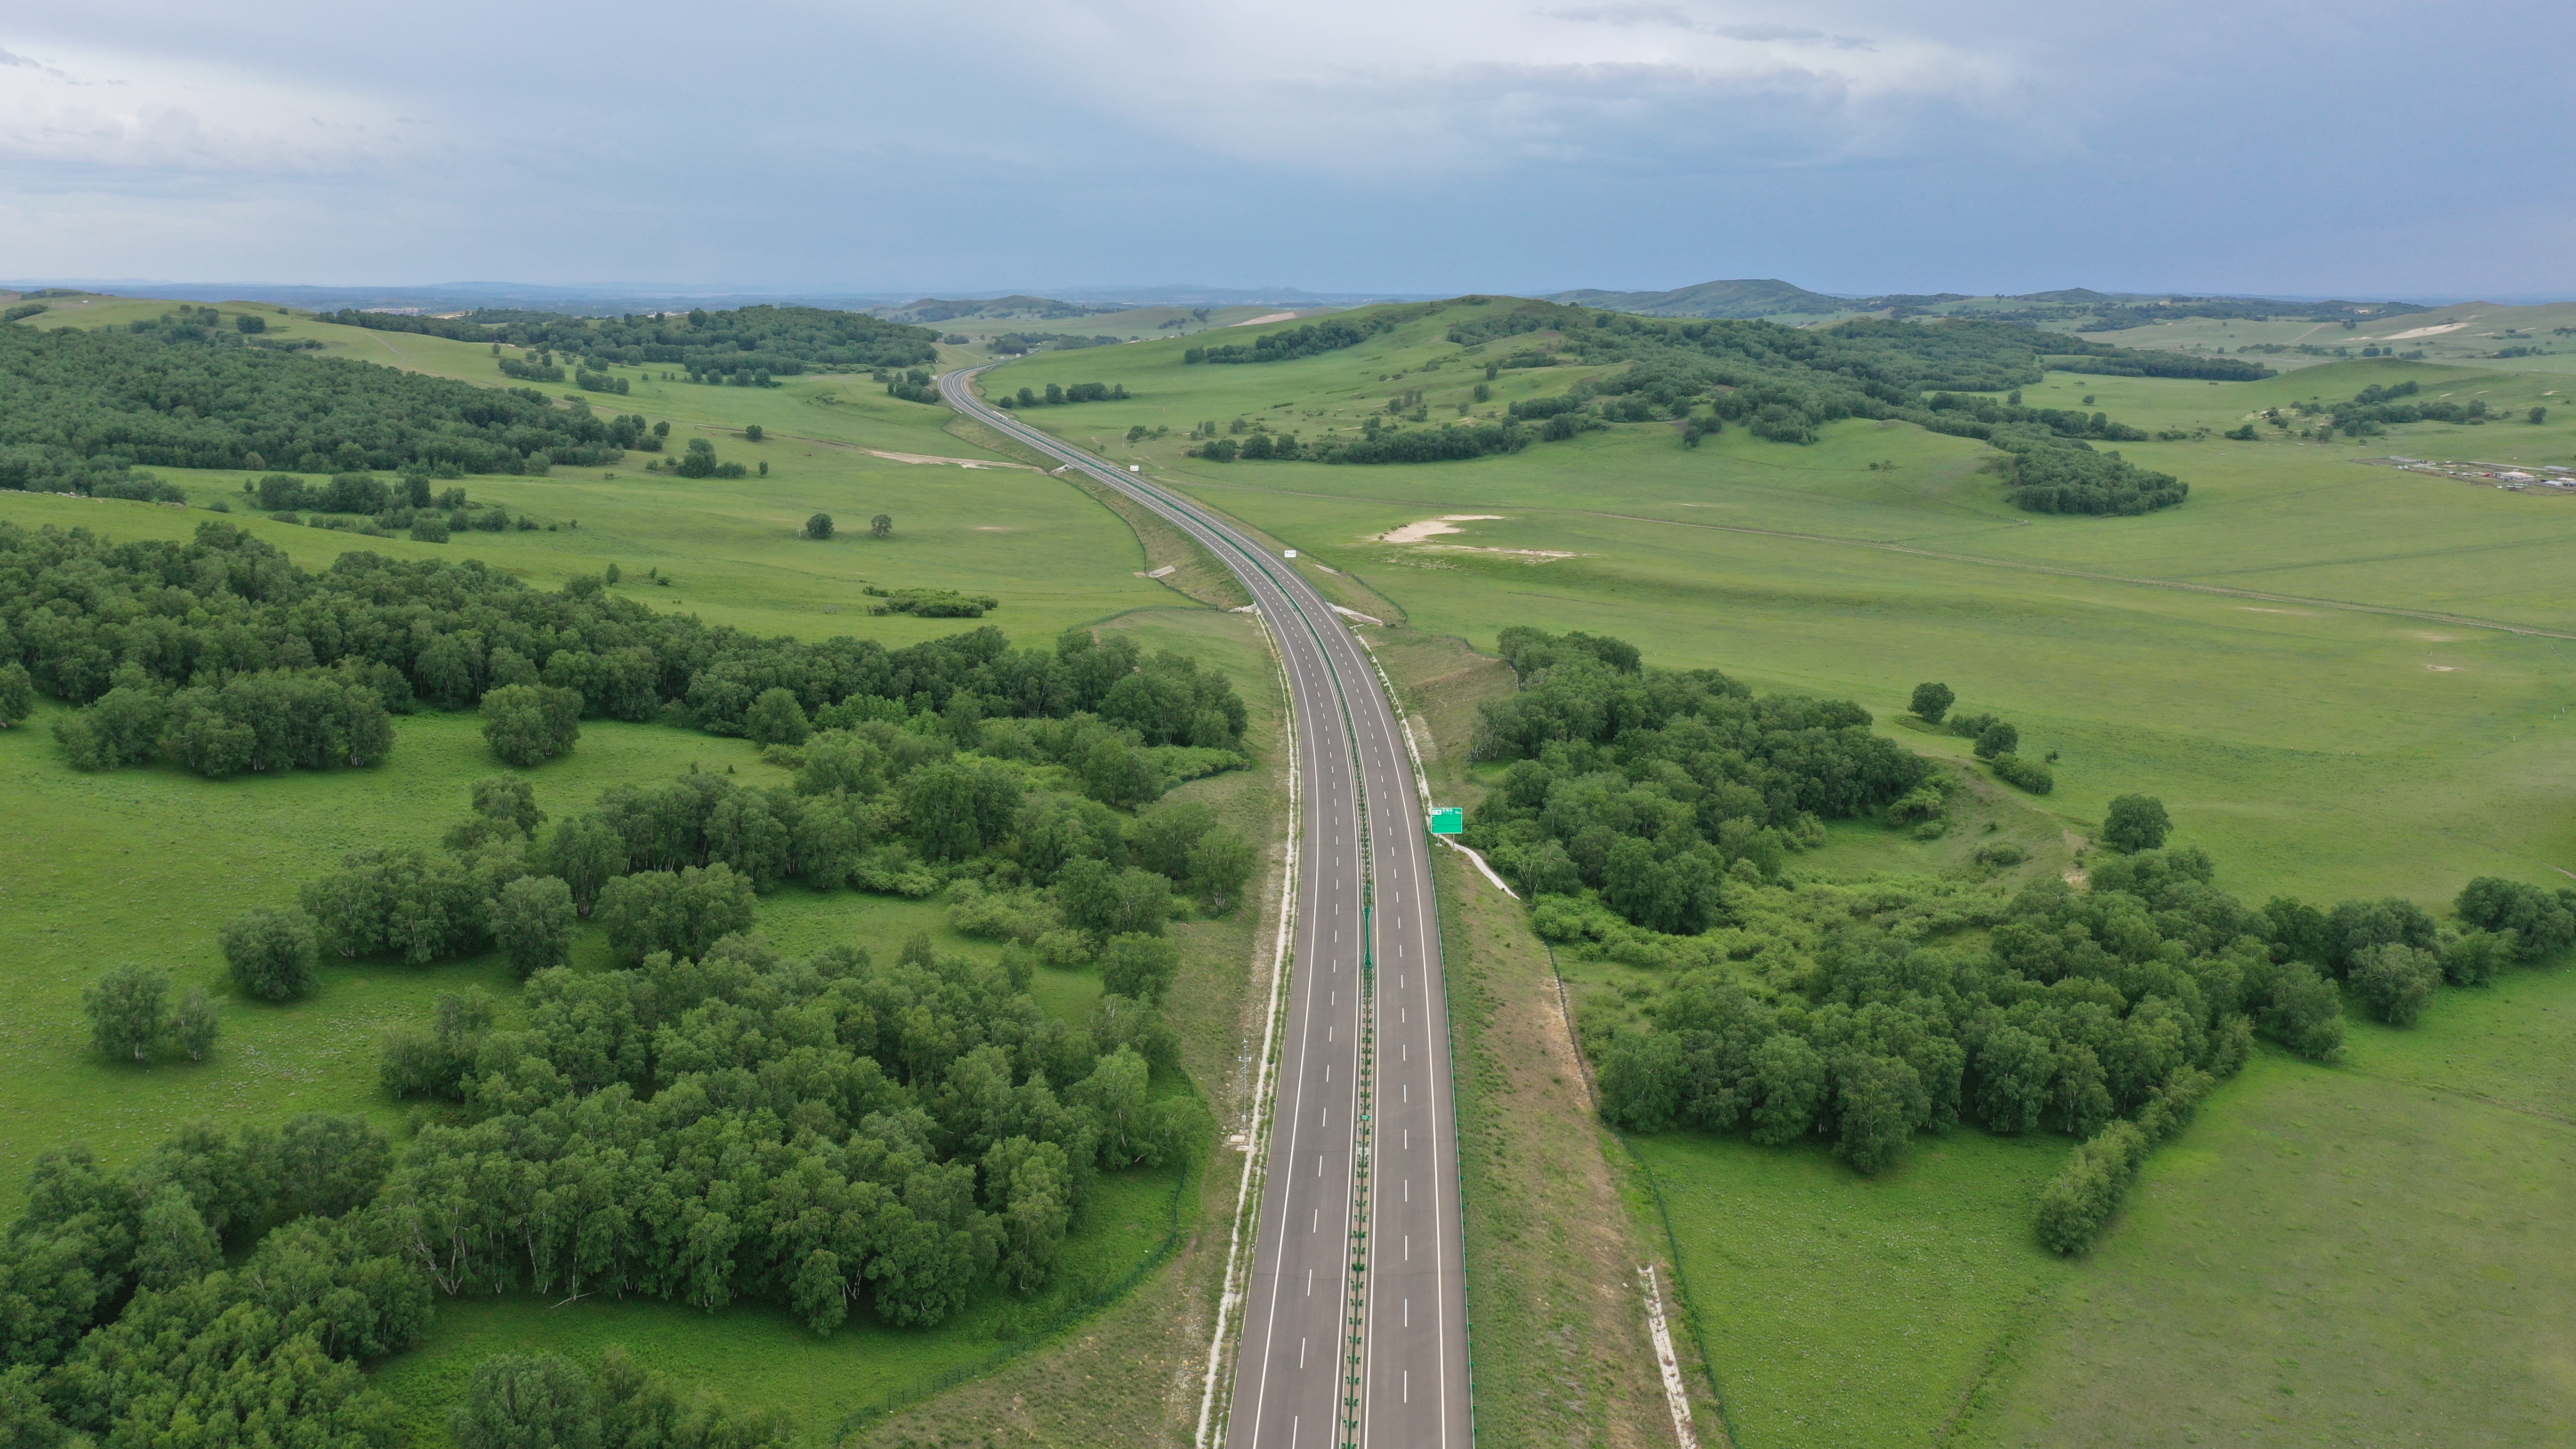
(2443, 668)
(882, 453)
(927, 458)
(1266, 317)
(1434, 527)
(2424, 332)
(1162, 572)
(1534, 555)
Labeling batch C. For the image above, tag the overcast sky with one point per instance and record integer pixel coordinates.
(1416, 146)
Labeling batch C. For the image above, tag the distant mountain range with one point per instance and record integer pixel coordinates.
(2070, 307)
(1194, 296)
(1761, 297)
(612, 298)
(1018, 308)
(604, 300)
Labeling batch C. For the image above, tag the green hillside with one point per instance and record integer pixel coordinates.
(2343, 679)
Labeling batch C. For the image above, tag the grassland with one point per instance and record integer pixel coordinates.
(2342, 679)
(2315, 744)
(142, 864)
(2369, 1254)
(834, 443)
(2467, 333)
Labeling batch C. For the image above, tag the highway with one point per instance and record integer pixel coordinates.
(1354, 1319)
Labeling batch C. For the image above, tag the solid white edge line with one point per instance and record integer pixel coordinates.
(1256, 1144)
(1387, 701)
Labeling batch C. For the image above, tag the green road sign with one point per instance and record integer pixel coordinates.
(1448, 820)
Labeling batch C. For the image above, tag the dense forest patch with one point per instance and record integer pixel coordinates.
(777, 340)
(182, 649)
(74, 404)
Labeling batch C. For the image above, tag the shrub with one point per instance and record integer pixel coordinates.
(1995, 739)
(2024, 774)
(819, 526)
(1931, 701)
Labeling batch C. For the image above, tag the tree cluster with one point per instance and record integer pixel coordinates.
(699, 460)
(130, 1015)
(1871, 1013)
(1311, 340)
(69, 394)
(827, 1135)
(1997, 742)
(1057, 394)
(1445, 443)
(544, 1401)
(930, 603)
(913, 386)
(1784, 384)
(224, 634)
(120, 1320)
(896, 804)
(1647, 789)
(777, 340)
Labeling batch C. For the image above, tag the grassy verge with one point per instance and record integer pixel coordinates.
(1554, 1308)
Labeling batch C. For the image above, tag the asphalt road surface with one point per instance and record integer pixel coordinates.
(1354, 1328)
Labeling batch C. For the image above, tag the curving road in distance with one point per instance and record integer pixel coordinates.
(1354, 1323)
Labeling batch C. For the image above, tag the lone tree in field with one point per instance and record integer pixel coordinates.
(1931, 701)
(2135, 823)
(529, 723)
(271, 953)
(881, 526)
(819, 526)
(129, 1010)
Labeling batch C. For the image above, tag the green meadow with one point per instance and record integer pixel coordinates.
(2261, 657)
(2342, 679)
(144, 864)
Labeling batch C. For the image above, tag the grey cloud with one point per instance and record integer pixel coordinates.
(29, 63)
(1675, 18)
